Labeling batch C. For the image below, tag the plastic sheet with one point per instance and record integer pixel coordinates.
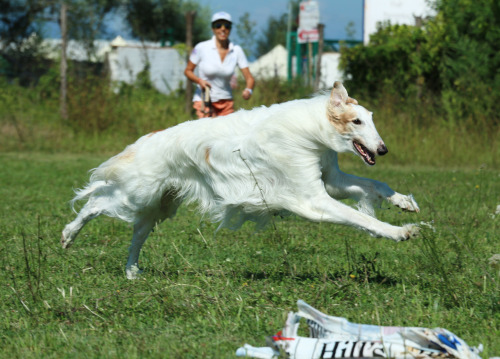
(336, 337)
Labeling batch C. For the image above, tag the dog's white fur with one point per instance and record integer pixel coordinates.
(249, 165)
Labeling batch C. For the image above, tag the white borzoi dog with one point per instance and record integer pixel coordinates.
(249, 165)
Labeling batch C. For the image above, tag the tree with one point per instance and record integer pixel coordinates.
(22, 23)
(468, 44)
(245, 29)
(397, 56)
(163, 20)
(452, 57)
(18, 19)
(20, 38)
(350, 30)
(470, 39)
(275, 32)
(86, 20)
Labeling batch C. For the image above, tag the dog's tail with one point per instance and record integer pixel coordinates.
(103, 177)
(112, 169)
(85, 193)
(112, 185)
(104, 180)
(108, 198)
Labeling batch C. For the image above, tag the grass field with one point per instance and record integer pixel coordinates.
(204, 296)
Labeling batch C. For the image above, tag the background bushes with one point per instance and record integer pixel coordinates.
(452, 58)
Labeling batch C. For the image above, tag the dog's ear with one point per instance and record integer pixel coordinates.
(352, 100)
(338, 100)
(339, 95)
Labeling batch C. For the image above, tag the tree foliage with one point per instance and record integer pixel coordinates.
(150, 20)
(454, 57)
(18, 19)
(20, 50)
(275, 31)
(245, 29)
(164, 20)
(398, 55)
(22, 25)
(273, 34)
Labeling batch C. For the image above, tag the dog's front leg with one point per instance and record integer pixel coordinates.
(369, 193)
(405, 202)
(323, 208)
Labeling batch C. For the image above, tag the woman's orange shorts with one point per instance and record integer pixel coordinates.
(219, 108)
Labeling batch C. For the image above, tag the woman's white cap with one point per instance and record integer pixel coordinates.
(221, 15)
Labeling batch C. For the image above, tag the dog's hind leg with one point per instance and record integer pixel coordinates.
(90, 210)
(144, 226)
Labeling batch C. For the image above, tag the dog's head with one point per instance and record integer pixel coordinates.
(355, 125)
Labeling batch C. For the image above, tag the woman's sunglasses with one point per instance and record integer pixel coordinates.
(218, 25)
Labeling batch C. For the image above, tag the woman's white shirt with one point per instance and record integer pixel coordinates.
(218, 73)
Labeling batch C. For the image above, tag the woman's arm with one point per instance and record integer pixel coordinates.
(250, 82)
(189, 73)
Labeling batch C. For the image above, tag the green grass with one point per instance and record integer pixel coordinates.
(204, 296)
(100, 121)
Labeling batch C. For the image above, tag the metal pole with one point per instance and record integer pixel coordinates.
(310, 63)
(289, 42)
(64, 64)
(298, 56)
(321, 31)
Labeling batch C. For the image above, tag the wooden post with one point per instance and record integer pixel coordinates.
(64, 65)
(190, 15)
(317, 80)
(420, 79)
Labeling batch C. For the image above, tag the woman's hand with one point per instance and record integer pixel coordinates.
(250, 82)
(247, 93)
(203, 84)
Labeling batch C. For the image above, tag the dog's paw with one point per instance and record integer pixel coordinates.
(406, 203)
(408, 231)
(133, 272)
(66, 239)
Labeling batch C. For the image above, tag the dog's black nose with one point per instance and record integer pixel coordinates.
(382, 150)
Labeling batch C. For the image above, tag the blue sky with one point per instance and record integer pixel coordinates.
(335, 14)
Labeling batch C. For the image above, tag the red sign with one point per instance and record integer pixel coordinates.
(308, 36)
(308, 22)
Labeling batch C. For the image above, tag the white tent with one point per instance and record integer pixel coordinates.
(330, 71)
(275, 64)
(272, 64)
(127, 58)
(166, 66)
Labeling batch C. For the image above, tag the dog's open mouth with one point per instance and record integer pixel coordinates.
(366, 154)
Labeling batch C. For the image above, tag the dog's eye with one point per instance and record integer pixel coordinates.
(357, 121)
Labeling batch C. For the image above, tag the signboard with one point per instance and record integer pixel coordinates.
(395, 11)
(308, 22)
